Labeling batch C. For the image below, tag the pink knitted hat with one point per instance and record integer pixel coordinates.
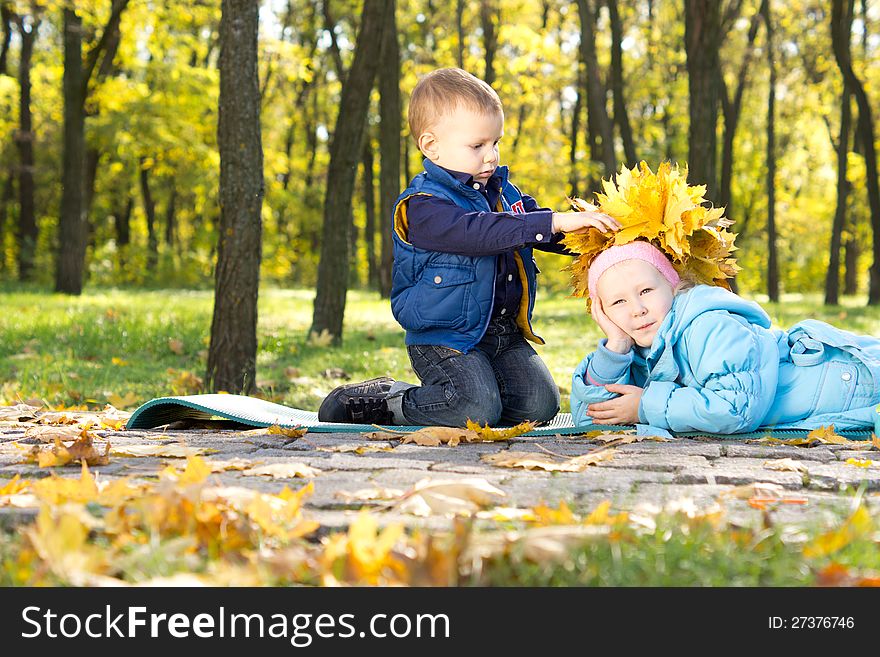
(638, 250)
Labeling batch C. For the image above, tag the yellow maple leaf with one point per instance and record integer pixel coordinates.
(858, 524)
(363, 555)
(294, 432)
(56, 490)
(14, 487)
(545, 515)
(827, 435)
(489, 434)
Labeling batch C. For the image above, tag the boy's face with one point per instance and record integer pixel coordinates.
(466, 141)
(636, 297)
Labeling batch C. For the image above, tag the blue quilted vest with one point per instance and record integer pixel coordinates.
(444, 298)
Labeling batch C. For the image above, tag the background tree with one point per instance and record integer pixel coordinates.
(73, 223)
(389, 140)
(28, 28)
(865, 128)
(332, 285)
(233, 349)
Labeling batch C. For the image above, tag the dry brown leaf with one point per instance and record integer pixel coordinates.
(82, 449)
(290, 432)
(383, 435)
(167, 451)
(283, 471)
(757, 489)
(370, 494)
(489, 434)
(18, 413)
(533, 460)
(828, 436)
(434, 436)
(51, 434)
(357, 449)
(448, 496)
(786, 465)
(175, 345)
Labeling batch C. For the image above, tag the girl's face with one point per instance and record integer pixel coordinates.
(636, 297)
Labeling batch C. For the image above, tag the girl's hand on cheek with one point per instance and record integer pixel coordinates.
(620, 410)
(618, 340)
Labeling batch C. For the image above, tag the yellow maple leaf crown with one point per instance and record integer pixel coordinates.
(664, 210)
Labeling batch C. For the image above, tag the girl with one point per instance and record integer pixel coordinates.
(700, 358)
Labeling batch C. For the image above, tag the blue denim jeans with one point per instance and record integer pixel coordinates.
(501, 381)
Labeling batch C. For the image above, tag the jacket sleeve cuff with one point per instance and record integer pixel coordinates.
(607, 366)
(655, 400)
(538, 227)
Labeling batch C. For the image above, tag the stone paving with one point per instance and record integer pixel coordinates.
(656, 473)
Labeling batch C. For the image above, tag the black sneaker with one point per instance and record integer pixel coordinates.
(358, 403)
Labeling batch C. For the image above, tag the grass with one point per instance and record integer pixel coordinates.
(137, 345)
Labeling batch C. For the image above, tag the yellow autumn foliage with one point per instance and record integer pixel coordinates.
(663, 209)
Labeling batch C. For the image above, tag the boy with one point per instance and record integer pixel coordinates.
(463, 281)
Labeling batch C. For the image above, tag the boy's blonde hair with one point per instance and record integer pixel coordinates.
(442, 91)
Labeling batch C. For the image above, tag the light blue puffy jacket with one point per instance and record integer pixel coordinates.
(717, 366)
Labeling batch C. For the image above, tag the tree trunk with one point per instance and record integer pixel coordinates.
(232, 355)
(772, 255)
(24, 139)
(702, 41)
(345, 146)
(851, 266)
(150, 215)
(72, 229)
(122, 222)
(865, 128)
(832, 278)
(574, 172)
(731, 110)
(488, 18)
(389, 143)
(6, 16)
(459, 25)
(73, 222)
(171, 217)
(620, 114)
(370, 211)
(601, 133)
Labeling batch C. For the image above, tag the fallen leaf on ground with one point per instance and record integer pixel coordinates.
(283, 471)
(857, 525)
(490, 434)
(369, 494)
(357, 449)
(51, 434)
(837, 575)
(168, 451)
(757, 489)
(434, 436)
(861, 463)
(60, 454)
(290, 432)
(448, 496)
(786, 465)
(175, 345)
(382, 435)
(536, 461)
(18, 413)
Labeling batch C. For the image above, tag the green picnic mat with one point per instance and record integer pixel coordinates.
(256, 412)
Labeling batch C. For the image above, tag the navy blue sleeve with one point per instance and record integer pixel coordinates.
(436, 224)
(553, 246)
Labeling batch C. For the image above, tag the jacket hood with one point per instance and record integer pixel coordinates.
(688, 305)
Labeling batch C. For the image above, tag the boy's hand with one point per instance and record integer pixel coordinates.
(579, 222)
(618, 341)
(620, 410)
